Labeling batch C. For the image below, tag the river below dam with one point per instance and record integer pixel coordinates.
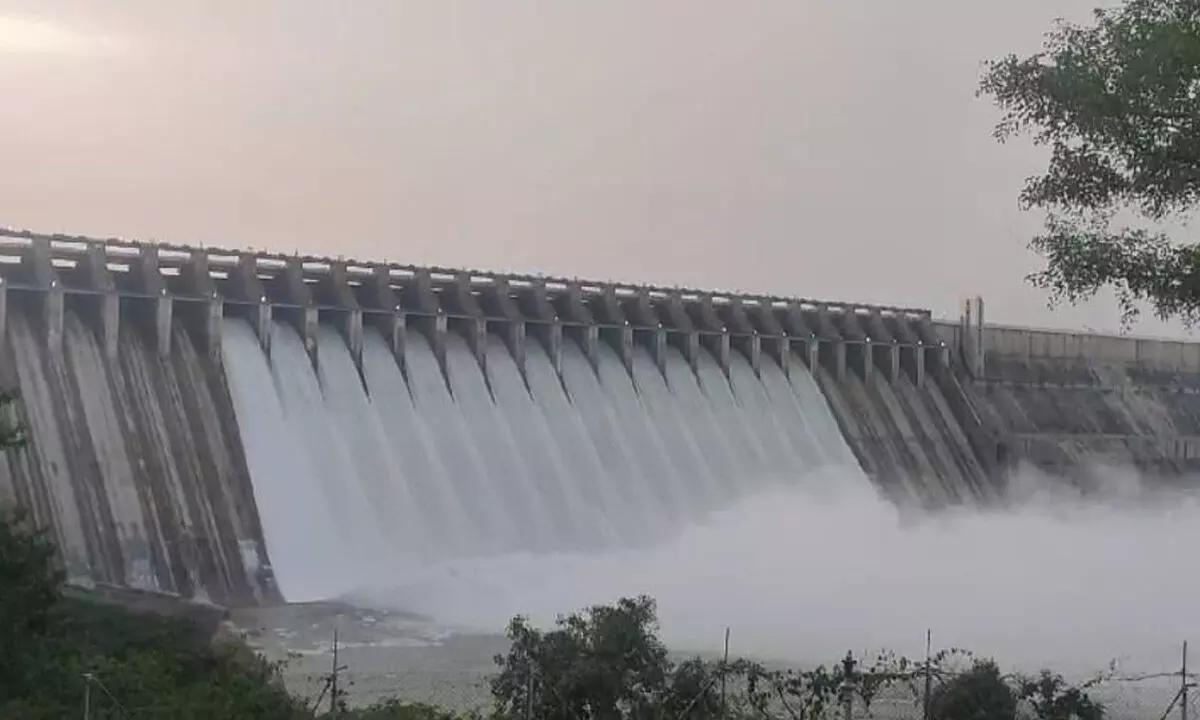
(399, 655)
(385, 654)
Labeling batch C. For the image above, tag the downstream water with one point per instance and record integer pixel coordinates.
(363, 479)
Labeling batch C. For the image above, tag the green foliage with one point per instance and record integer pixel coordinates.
(139, 666)
(393, 709)
(142, 667)
(1115, 102)
(1053, 698)
(29, 591)
(983, 693)
(818, 693)
(12, 434)
(606, 662)
(980, 693)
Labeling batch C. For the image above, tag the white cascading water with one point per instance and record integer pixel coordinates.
(750, 454)
(444, 418)
(643, 508)
(554, 510)
(698, 416)
(583, 479)
(672, 427)
(418, 465)
(633, 421)
(305, 545)
(781, 449)
(364, 479)
(475, 499)
(368, 469)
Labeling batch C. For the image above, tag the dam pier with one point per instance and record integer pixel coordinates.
(247, 427)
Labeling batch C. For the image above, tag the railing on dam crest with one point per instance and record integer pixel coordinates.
(203, 285)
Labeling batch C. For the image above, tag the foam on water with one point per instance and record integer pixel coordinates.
(805, 577)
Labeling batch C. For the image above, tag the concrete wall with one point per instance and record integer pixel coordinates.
(137, 464)
(1063, 400)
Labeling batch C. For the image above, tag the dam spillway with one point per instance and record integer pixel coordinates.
(246, 427)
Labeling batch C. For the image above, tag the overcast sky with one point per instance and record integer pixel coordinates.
(822, 148)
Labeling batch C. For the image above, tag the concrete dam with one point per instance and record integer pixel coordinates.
(247, 427)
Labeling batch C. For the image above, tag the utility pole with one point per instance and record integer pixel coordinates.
(725, 671)
(929, 672)
(87, 696)
(847, 688)
(529, 693)
(1183, 685)
(333, 678)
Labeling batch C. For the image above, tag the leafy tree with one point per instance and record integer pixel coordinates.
(394, 709)
(1053, 698)
(29, 592)
(980, 693)
(696, 691)
(816, 693)
(141, 665)
(983, 693)
(608, 663)
(604, 663)
(29, 578)
(1116, 103)
(12, 435)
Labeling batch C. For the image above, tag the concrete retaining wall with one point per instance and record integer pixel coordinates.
(1063, 400)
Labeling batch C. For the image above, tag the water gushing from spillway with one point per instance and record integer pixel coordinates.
(365, 478)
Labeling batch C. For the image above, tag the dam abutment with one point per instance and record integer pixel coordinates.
(1061, 401)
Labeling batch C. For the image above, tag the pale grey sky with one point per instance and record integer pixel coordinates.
(823, 148)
